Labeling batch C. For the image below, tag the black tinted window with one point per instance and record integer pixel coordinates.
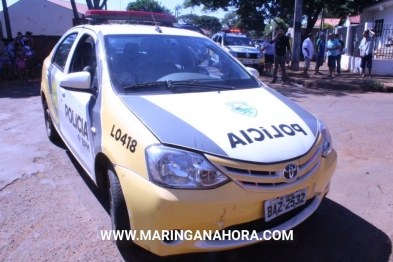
(63, 51)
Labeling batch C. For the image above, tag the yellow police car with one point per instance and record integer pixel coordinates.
(182, 143)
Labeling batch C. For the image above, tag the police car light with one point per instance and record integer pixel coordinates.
(129, 15)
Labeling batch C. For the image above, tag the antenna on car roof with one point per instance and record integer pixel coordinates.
(158, 29)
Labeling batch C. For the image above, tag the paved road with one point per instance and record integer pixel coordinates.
(51, 211)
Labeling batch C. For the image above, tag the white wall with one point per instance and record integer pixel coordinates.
(372, 14)
(380, 67)
(39, 17)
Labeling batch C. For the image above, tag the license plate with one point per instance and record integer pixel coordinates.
(281, 205)
(246, 62)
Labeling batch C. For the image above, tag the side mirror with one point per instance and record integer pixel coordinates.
(253, 71)
(78, 80)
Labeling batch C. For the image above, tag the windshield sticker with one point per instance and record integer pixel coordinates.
(250, 135)
(242, 108)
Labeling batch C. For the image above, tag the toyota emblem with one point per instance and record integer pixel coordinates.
(290, 172)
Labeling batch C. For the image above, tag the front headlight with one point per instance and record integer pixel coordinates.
(181, 169)
(326, 139)
(260, 56)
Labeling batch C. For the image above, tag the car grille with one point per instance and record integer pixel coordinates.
(254, 177)
(244, 55)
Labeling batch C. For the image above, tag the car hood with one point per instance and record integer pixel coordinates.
(257, 125)
(242, 49)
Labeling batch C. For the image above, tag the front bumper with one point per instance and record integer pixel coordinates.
(156, 208)
(251, 62)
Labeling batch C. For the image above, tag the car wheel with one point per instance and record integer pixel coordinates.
(118, 208)
(51, 131)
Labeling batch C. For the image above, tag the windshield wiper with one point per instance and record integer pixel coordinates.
(173, 84)
(147, 84)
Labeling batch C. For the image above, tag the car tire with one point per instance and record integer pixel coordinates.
(118, 208)
(51, 131)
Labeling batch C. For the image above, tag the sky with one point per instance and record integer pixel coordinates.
(122, 4)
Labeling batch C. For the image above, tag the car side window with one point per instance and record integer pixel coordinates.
(84, 58)
(63, 51)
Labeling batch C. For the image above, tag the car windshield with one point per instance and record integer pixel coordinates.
(156, 64)
(233, 40)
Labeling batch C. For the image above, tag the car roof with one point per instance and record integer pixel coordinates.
(109, 22)
(189, 27)
(127, 29)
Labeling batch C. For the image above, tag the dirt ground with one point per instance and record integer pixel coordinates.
(50, 210)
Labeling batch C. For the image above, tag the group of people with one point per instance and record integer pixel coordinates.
(16, 57)
(334, 48)
(277, 50)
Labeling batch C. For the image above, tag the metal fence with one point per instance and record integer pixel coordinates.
(383, 45)
(383, 40)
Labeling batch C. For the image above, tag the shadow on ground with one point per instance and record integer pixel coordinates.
(15, 89)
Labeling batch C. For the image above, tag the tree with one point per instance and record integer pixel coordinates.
(191, 19)
(177, 10)
(231, 19)
(256, 13)
(148, 6)
(210, 23)
(278, 23)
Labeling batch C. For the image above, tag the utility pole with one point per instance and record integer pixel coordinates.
(297, 35)
(7, 19)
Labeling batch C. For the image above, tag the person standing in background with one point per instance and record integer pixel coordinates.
(281, 49)
(366, 48)
(320, 46)
(268, 50)
(308, 51)
(339, 53)
(6, 62)
(332, 46)
(11, 49)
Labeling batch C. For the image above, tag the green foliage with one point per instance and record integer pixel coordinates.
(148, 6)
(210, 23)
(278, 23)
(328, 26)
(230, 19)
(191, 19)
(376, 86)
(254, 14)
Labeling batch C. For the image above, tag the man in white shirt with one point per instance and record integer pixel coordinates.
(366, 48)
(308, 51)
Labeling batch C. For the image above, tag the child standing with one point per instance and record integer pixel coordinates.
(21, 63)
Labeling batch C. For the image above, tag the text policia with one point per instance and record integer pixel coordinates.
(180, 235)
